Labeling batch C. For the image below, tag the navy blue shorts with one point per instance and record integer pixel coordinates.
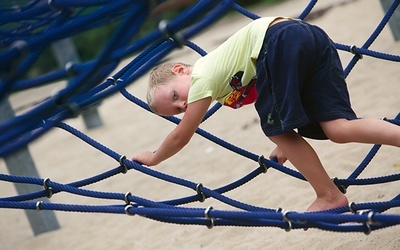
(300, 81)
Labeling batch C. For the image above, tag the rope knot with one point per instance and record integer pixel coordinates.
(177, 37)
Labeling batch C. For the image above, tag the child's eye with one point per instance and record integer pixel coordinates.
(174, 96)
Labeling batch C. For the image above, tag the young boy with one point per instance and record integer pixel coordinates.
(292, 71)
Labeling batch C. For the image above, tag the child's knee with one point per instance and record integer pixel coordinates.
(336, 130)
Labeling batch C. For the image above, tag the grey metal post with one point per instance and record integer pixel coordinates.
(394, 22)
(21, 163)
(65, 52)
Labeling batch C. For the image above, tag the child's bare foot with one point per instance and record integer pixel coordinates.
(325, 203)
(328, 202)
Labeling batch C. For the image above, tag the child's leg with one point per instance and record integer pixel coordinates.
(372, 131)
(305, 159)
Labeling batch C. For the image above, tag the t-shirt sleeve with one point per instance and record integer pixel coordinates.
(200, 88)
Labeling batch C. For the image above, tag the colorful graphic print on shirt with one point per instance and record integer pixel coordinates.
(241, 95)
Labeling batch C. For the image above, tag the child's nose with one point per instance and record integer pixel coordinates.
(183, 105)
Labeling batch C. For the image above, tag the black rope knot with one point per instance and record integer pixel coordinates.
(202, 197)
(177, 37)
(262, 164)
(342, 188)
(47, 187)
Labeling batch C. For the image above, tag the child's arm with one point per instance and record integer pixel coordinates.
(179, 137)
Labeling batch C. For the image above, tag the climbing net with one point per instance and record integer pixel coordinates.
(28, 30)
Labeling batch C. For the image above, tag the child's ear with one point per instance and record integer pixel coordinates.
(179, 69)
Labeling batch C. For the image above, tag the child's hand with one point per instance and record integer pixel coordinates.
(145, 158)
(278, 154)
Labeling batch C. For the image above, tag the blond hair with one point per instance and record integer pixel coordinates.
(159, 76)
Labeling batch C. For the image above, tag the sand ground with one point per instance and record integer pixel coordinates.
(374, 89)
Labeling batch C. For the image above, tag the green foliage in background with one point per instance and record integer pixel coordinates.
(90, 43)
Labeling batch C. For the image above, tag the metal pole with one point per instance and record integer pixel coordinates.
(394, 22)
(21, 163)
(65, 52)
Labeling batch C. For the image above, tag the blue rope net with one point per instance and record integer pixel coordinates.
(26, 31)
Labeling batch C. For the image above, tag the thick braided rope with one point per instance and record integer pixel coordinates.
(30, 126)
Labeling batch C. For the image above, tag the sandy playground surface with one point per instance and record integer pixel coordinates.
(128, 129)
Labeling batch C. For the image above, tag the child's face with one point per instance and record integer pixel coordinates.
(171, 98)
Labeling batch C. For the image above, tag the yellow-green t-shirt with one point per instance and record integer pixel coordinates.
(211, 74)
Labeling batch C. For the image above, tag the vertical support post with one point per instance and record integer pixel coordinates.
(21, 163)
(394, 22)
(65, 52)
